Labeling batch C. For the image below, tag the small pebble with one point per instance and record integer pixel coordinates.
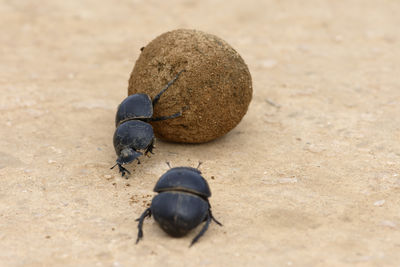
(379, 203)
(388, 224)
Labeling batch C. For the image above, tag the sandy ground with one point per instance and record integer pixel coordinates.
(310, 177)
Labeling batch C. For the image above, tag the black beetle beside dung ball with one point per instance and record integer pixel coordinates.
(216, 88)
(133, 134)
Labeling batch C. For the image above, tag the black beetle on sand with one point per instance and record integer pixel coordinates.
(182, 203)
(134, 135)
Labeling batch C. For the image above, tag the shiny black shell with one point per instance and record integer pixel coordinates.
(183, 179)
(137, 106)
(178, 212)
(182, 202)
(133, 134)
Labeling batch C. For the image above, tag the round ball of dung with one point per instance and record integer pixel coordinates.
(213, 92)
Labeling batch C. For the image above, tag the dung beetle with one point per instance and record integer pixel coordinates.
(134, 135)
(181, 204)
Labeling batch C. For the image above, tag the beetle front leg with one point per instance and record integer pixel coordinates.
(149, 148)
(122, 170)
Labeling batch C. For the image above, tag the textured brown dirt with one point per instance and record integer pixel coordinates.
(213, 93)
(310, 177)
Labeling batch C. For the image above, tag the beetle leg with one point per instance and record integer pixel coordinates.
(122, 170)
(203, 230)
(157, 97)
(213, 218)
(149, 148)
(146, 213)
(162, 118)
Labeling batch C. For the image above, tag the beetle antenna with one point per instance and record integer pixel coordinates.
(167, 162)
(199, 164)
(113, 166)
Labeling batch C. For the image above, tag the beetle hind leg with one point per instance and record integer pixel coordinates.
(213, 218)
(157, 97)
(146, 213)
(203, 230)
(162, 118)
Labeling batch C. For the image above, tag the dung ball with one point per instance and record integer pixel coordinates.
(213, 92)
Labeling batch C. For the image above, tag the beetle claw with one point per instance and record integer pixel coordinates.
(123, 171)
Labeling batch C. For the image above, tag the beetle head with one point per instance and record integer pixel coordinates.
(128, 155)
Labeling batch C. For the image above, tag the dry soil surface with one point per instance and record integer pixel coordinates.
(310, 177)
